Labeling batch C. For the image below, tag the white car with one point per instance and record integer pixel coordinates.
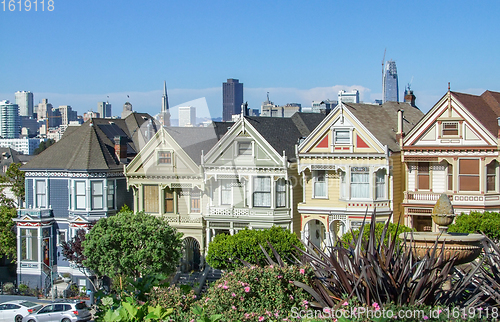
(14, 311)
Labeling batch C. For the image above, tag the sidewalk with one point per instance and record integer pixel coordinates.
(6, 298)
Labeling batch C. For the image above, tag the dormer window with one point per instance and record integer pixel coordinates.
(245, 148)
(164, 157)
(342, 137)
(450, 128)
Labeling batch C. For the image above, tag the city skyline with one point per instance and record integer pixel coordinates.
(303, 63)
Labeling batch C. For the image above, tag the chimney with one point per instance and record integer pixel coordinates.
(121, 148)
(400, 134)
(410, 98)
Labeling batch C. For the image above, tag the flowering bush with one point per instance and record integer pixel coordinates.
(258, 293)
(175, 298)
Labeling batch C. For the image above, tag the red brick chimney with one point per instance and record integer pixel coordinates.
(410, 98)
(121, 148)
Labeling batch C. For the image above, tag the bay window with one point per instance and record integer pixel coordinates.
(195, 201)
(281, 193)
(226, 192)
(41, 193)
(423, 177)
(343, 184)
(80, 195)
(262, 192)
(97, 195)
(468, 174)
(491, 171)
(151, 199)
(169, 201)
(360, 183)
(380, 184)
(29, 245)
(320, 184)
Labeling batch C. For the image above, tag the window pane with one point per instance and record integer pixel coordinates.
(380, 184)
(343, 137)
(281, 193)
(450, 177)
(164, 157)
(195, 201)
(41, 201)
(423, 178)
(244, 148)
(469, 183)
(169, 201)
(262, 192)
(360, 185)
(226, 192)
(97, 197)
(80, 195)
(111, 195)
(469, 166)
(151, 199)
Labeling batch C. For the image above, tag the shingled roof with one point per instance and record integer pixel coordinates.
(194, 140)
(90, 147)
(282, 133)
(485, 108)
(382, 120)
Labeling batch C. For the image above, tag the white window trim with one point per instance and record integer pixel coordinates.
(103, 195)
(191, 203)
(36, 194)
(315, 172)
(384, 197)
(220, 194)
(252, 154)
(59, 242)
(343, 129)
(76, 195)
(157, 152)
(370, 185)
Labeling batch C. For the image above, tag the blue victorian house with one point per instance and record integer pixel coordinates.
(76, 181)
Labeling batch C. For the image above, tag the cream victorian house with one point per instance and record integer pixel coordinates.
(351, 164)
(167, 180)
(250, 175)
(453, 150)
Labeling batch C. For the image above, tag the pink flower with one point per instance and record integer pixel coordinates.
(426, 317)
(345, 303)
(225, 287)
(302, 271)
(233, 307)
(261, 318)
(233, 294)
(247, 289)
(279, 276)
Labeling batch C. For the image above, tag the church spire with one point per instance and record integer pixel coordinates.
(165, 110)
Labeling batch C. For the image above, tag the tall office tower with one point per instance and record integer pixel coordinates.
(25, 102)
(43, 110)
(390, 90)
(187, 116)
(10, 121)
(164, 116)
(104, 110)
(67, 114)
(232, 98)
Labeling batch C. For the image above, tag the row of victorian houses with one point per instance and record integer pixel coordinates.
(314, 174)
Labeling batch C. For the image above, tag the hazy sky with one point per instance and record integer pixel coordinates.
(299, 51)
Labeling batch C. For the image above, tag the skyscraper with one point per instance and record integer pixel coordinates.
(187, 116)
(164, 116)
(10, 121)
(67, 114)
(232, 98)
(104, 110)
(390, 90)
(25, 102)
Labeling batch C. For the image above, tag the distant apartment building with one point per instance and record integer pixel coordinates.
(46, 112)
(320, 107)
(90, 115)
(67, 114)
(390, 90)
(104, 110)
(25, 102)
(349, 97)
(10, 122)
(187, 116)
(24, 146)
(232, 98)
(29, 126)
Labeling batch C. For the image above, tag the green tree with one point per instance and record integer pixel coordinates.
(44, 145)
(476, 222)
(7, 235)
(225, 251)
(132, 245)
(14, 177)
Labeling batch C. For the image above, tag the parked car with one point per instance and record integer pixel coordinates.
(14, 311)
(61, 312)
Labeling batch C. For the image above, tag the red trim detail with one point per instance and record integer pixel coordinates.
(360, 143)
(323, 143)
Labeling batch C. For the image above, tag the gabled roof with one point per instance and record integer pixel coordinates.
(194, 140)
(283, 133)
(8, 156)
(485, 108)
(91, 145)
(382, 120)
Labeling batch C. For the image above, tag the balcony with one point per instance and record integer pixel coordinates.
(35, 213)
(458, 199)
(233, 212)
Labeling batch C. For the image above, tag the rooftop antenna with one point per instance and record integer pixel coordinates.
(268, 97)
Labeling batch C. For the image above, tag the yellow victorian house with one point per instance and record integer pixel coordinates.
(351, 163)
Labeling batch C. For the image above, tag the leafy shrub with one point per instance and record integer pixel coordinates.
(392, 230)
(173, 297)
(225, 251)
(8, 288)
(253, 293)
(476, 222)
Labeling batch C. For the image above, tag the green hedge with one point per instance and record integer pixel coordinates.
(477, 222)
(225, 251)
